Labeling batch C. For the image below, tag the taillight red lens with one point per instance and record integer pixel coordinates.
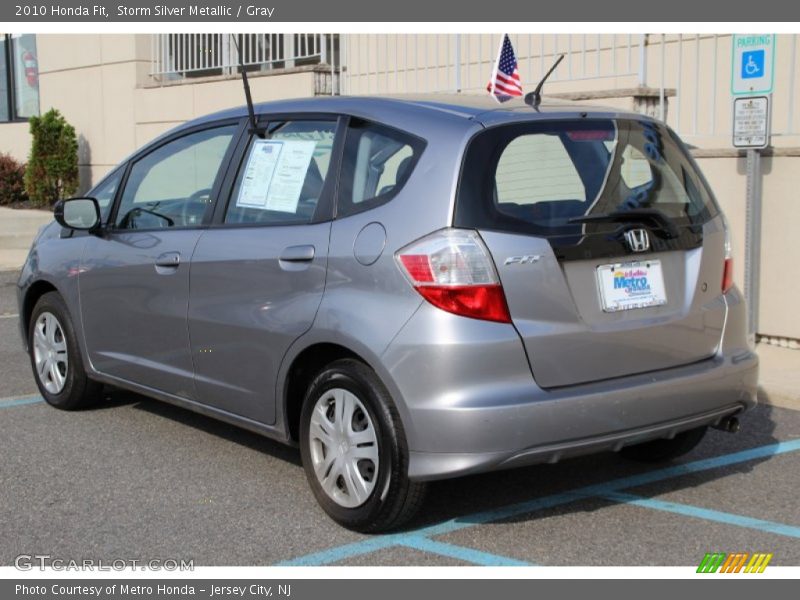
(487, 302)
(418, 267)
(453, 270)
(727, 275)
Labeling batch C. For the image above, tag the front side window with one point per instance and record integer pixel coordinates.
(105, 192)
(376, 164)
(19, 77)
(283, 175)
(171, 186)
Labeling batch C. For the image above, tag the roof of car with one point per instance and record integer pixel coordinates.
(417, 114)
(465, 106)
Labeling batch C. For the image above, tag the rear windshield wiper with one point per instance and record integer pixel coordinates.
(635, 215)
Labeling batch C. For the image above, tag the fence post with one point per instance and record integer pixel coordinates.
(288, 50)
(457, 63)
(642, 60)
(230, 58)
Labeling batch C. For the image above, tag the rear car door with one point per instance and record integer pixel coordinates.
(134, 281)
(259, 273)
(608, 244)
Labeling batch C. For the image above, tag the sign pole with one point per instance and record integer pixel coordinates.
(752, 82)
(752, 265)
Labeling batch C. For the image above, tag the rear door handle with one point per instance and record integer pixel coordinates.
(168, 260)
(298, 254)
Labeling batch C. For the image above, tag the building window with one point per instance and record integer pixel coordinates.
(19, 77)
(177, 56)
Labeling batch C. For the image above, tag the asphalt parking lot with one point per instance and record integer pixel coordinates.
(137, 479)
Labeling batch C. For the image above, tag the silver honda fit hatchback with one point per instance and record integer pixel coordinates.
(407, 289)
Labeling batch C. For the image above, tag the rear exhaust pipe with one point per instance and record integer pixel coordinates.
(728, 424)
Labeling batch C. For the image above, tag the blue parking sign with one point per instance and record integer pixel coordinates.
(752, 64)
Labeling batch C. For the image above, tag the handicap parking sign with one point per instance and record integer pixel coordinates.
(752, 64)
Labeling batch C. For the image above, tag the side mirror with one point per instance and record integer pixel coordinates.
(82, 214)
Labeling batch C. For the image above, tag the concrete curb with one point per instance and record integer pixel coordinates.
(18, 227)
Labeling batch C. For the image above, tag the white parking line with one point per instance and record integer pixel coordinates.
(14, 316)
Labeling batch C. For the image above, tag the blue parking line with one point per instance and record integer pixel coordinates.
(530, 506)
(9, 402)
(697, 512)
(469, 555)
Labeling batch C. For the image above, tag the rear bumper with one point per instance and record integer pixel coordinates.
(470, 403)
(592, 419)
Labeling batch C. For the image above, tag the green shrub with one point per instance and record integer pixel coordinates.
(52, 171)
(12, 180)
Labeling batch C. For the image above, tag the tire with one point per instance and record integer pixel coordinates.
(379, 497)
(60, 375)
(664, 450)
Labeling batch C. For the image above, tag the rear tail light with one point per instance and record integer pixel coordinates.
(727, 271)
(452, 269)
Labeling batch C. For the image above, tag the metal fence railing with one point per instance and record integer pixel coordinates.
(188, 55)
(688, 74)
(412, 63)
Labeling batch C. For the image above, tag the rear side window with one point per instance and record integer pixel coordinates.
(377, 163)
(540, 177)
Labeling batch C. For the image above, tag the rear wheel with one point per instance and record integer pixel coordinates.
(664, 450)
(55, 357)
(354, 450)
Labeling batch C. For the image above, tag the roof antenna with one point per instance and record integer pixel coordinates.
(251, 113)
(534, 98)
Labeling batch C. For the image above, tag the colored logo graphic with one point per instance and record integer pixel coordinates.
(752, 64)
(737, 562)
(633, 281)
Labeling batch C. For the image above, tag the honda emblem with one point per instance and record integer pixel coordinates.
(638, 240)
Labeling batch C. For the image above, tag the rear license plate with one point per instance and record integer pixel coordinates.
(624, 286)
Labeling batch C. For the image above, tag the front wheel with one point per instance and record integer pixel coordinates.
(354, 450)
(55, 356)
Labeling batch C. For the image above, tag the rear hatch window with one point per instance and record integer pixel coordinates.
(564, 180)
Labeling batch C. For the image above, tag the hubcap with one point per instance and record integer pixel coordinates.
(344, 448)
(50, 353)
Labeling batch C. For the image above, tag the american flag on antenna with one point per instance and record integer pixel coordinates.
(505, 82)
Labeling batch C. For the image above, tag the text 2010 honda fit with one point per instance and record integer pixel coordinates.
(408, 289)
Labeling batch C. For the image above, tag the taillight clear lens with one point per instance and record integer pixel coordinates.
(452, 269)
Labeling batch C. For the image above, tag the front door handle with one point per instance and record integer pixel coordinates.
(168, 260)
(298, 254)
